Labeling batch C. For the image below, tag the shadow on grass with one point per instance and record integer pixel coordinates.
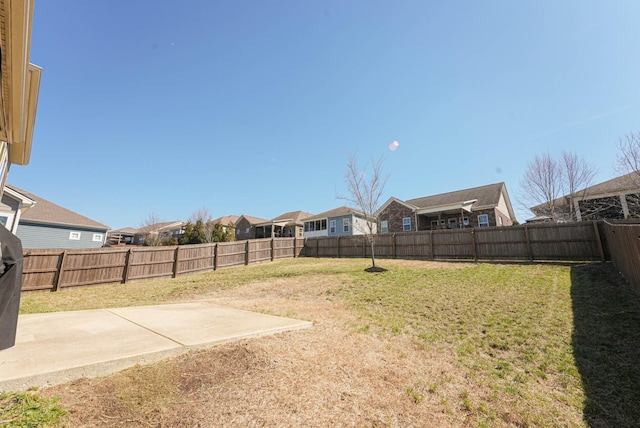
(606, 345)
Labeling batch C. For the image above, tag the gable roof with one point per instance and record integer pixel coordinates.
(124, 231)
(252, 220)
(225, 220)
(488, 195)
(293, 216)
(46, 212)
(162, 226)
(336, 212)
(392, 200)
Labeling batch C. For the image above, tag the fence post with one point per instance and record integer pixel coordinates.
(272, 248)
(393, 247)
(528, 240)
(596, 230)
(433, 256)
(127, 263)
(474, 249)
(317, 246)
(295, 247)
(338, 247)
(246, 253)
(176, 258)
(215, 256)
(56, 286)
(364, 248)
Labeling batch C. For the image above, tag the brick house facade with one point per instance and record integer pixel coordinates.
(483, 206)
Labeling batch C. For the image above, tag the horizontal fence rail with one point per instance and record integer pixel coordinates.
(532, 242)
(58, 269)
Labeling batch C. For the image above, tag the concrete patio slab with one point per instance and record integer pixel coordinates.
(59, 347)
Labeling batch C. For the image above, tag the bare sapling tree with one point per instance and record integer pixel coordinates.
(547, 179)
(542, 183)
(628, 160)
(577, 176)
(152, 237)
(364, 193)
(202, 219)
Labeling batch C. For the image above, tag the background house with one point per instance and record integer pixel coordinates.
(124, 236)
(246, 227)
(617, 198)
(341, 221)
(159, 233)
(481, 206)
(47, 225)
(227, 221)
(289, 224)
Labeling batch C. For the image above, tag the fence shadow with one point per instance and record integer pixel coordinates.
(606, 345)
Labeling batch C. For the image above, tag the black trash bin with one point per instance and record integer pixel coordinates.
(10, 286)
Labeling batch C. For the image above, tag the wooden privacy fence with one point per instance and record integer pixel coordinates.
(58, 269)
(532, 242)
(624, 246)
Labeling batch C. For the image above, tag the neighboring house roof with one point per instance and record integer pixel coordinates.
(393, 199)
(336, 212)
(46, 212)
(225, 220)
(125, 231)
(160, 227)
(484, 195)
(290, 218)
(623, 184)
(253, 220)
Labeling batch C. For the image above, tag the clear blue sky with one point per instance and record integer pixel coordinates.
(250, 107)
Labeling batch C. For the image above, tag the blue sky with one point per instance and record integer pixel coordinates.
(250, 107)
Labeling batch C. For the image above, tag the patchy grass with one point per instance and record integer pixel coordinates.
(28, 409)
(429, 343)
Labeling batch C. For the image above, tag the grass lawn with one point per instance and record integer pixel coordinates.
(469, 344)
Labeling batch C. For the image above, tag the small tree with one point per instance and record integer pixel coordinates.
(629, 154)
(542, 183)
(364, 195)
(577, 176)
(152, 237)
(546, 179)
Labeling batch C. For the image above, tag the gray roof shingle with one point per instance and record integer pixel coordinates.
(47, 212)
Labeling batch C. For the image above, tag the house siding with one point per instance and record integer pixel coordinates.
(35, 235)
(241, 230)
(393, 214)
(357, 226)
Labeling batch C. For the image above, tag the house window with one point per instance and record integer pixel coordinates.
(499, 220)
(345, 225)
(483, 220)
(247, 230)
(384, 225)
(4, 219)
(452, 223)
(464, 221)
(406, 224)
(434, 224)
(97, 237)
(332, 226)
(74, 236)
